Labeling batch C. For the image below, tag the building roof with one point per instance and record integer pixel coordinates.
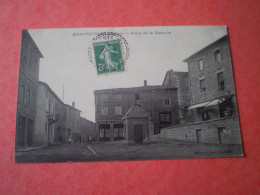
(224, 37)
(25, 31)
(174, 73)
(49, 88)
(135, 112)
(72, 107)
(54, 94)
(134, 89)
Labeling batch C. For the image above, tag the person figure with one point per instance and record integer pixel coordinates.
(107, 56)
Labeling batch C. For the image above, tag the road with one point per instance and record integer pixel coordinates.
(120, 150)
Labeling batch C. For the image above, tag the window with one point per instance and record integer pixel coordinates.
(167, 101)
(200, 64)
(33, 101)
(205, 115)
(28, 100)
(118, 131)
(137, 96)
(103, 98)
(226, 108)
(165, 117)
(104, 110)
(46, 128)
(217, 56)
(202, 86)
(118, 110)
(165, 121)
(23, 63)
(221, 83)
(104, 132)
(22, 94)
(117, 97)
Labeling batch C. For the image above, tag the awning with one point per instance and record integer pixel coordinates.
(199, 105)
(216, 102)
(207, 104)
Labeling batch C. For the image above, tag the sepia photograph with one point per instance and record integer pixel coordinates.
(126, 93)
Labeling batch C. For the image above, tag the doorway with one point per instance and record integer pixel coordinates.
(221, 134)
(199, 135)
(29, 132)
(138, 133)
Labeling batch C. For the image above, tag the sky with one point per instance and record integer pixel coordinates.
(66, 63)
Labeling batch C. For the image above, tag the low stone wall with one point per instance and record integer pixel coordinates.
(210, 131)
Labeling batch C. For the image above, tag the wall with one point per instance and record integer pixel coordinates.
(209, 131)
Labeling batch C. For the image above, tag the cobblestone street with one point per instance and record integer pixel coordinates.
(120, 150)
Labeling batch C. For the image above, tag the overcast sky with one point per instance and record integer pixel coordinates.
(66, 61)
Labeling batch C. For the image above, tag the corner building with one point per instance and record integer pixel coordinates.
(213, 109)
(27, 91)
(160, 102)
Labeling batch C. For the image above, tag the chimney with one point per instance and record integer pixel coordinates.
(145, 83)
(73, 104)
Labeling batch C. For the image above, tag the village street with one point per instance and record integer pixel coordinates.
(119, 150)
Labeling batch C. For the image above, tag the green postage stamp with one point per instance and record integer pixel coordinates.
(108, 56)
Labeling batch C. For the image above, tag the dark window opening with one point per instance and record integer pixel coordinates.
(221, 82)
(137, 96)
(104, 132)
(21, 131)
(165, 121)
(217, 56)
(204, 114)
(226, 108)
(202, 86)
(22, 94)
(167, 101)
(118, 131)
(200, 64)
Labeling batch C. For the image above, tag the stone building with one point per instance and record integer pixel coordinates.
(56, 122)
(160, 102)
(50, 120)
(88, 130)
(72, 117)
(27, 91)
(180, 80)
(213, 107)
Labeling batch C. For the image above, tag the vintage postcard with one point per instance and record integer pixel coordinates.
(128, 93)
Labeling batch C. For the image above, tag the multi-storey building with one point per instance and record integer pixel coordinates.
(88, 130)
(56, 122)
(27, 90)
(160, 102)
(180, 80)
(72, 118)
(213, 107)
(50, 121)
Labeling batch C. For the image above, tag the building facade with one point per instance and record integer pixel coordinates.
(213, 108)
(72, 117)
(160, 102)
(180, 80)
(88, 130)
(27, 91)
(50, 120)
